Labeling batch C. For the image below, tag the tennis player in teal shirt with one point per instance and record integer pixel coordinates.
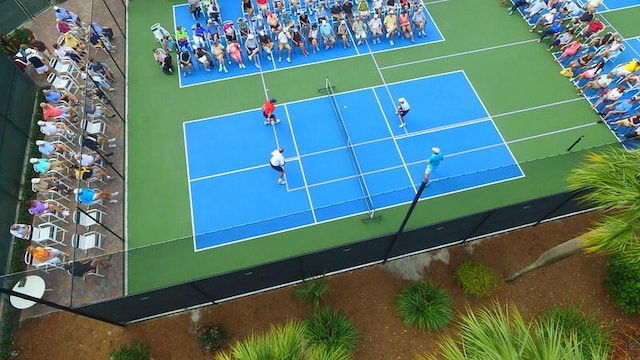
(432, 163)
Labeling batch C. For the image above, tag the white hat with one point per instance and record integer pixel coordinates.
(401, 100)
(56, 8)
(435, 150)
(343, 22)
(35, 180)
(324, 22)
(262, 33)
(33, 160)
(375, 16)
(251, 36)
(40, 123)
(39, 142)
(77, 191)
(30, 51)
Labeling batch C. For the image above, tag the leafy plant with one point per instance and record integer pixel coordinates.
(571, 319)
(623, 283)
(9, 44)
(280, 342)
(477, 280)
(211, 337)
(425, 306)
(312, 291)
(626, 345)
(137, 351)
(331, 330)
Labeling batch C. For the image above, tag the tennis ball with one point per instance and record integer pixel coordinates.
(345, 106)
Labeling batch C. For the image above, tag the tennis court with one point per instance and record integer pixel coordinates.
(347, 157)
(198, 157)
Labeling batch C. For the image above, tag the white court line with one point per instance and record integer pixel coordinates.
(616, 9)
(304, 178)
(539, 107)
(494, 124)
(456, 54)
(186, 155)
(444, 127)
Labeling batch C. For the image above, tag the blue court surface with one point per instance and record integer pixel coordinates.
(233, 190)
(232, 11)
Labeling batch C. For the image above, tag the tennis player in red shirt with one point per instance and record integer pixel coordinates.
(268, 109)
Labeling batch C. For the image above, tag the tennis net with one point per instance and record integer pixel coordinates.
(354, 158)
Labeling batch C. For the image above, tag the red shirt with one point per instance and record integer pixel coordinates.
(268, 107)
(596, 26)
(49, 112)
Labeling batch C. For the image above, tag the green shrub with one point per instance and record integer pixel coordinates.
(312, 291)
(587, 329)
(623, 283)
(211, 337)
(477, 280)
(425, 306)
(137, 351)
(330, 330)
(283, 343)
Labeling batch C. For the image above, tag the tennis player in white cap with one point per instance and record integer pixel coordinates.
(432, 163)
(402, 110)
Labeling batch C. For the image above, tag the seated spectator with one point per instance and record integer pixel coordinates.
(363, 9)
(570, 9)
(343, 33)
(182, 37)
(212, 30)
(97, 41)
(100, 68)
(321, 13)
(584, 19)
(47, 148)
(37, 207)
(46, 255)
(42, 165)
(82, 268)
(631, 121)
(243, 27)
(167, 65)
(283, 38)
(51, 112)
(102, 31)
(63, 27)
(88, 196)
(50, 184)
(54, 97)
(229, 31)
(199, 34)
(544, 20)
(158, 55)
(51, 128)
(86, 173)
(253, 49)
(582, 61)
(347, 11)
(593, 5)
(235, 52)
(287, 20)
(561, 39)
(194, 9)
(570, 50)
(214, 12)
(93, 110)
(420, 21)
(535, 7)
(607, 39)
(168, 44)
(21, 231)
(298, 40)
(97, 142)
(66, 15)
(272, 20)
(259, 24)
(98, 79)
(555, 28)
(203, 57)
(313, 38)
(263, 6)
(592, 71)
(405, 25)
(326, 31)
(359, 30)
(336, 11)
(73, 42)
(391, 25)
(620, 107)
(247, 7)
(185, 62)
(627, 68)
(378, 6)
(218, 51)
(38, 62)
(375, 25)
(613, 49)
(593, 28)
(65, 52)
(305, 22)
(609, 96)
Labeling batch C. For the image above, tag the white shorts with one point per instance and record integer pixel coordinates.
(43, 69)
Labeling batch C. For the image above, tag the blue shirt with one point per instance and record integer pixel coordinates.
(46, 149)
(624, 106)
(53, 96)
(86, 196)
(434, 160)
(42, 166)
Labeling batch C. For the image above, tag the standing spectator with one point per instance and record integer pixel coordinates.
(37, 61)
(41, 47)
(268, 109)
(432, 163)
(277, 164)
(402, 110)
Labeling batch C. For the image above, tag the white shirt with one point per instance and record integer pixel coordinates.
(277, 159)
(85, 159)
(404, 105)
(375, 24)
(49, 129)
(283, 37)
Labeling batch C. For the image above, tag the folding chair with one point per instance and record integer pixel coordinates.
(48, 232)
(159, 32)
(65, 68)
(86, 241)
(63, 83)
(94, 127)
(55, 217)
(94, 217)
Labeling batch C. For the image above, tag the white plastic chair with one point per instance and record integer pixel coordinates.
(87, 221)
(86, 241)
(63, 83)
(94, 127)
(44, 266)
(48, 232)
(65, 68)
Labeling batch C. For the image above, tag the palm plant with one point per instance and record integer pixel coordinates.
(501, 334)
(614, 181)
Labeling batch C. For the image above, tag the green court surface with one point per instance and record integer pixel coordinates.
(536, 110)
